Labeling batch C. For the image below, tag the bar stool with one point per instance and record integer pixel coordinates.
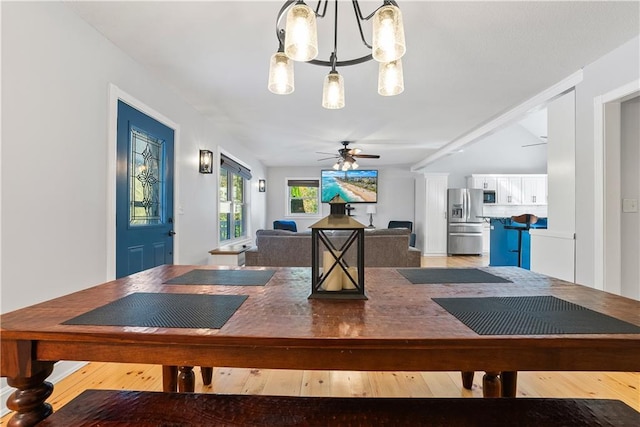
(526, 220)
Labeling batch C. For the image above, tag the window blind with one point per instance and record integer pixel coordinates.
(235, 167)
(303, 183)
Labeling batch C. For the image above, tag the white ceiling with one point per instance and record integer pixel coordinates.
(465, 63)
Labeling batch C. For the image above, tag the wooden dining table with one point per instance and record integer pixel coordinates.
(400, 327)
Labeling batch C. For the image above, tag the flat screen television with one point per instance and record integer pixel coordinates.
(354, 186)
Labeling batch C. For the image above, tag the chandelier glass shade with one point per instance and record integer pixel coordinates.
(301, 37)
(388, 34)
(298, 41)
(281, 74)
(333, 91)
(390, 78)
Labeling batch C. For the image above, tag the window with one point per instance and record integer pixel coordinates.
(232, 208)
(303, 197)
(147, 162)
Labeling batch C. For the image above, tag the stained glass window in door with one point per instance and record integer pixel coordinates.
(145, 179)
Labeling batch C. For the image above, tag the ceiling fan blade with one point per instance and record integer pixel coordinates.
(367, 156)
(323, 152)
(327, 158)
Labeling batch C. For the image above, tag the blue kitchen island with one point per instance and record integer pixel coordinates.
(504, 239)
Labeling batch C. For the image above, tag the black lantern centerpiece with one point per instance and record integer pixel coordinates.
(338, 243)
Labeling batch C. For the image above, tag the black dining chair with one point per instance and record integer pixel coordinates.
(405, 224)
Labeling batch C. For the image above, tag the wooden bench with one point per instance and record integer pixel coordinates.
(134, 408)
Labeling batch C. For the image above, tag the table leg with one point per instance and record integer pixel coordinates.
(28, 401)
(186, 379)
(207, 374)
(509, 383)
(169, 378)
(491, 384)
(467, 379)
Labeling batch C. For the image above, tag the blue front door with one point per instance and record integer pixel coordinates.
(144, 192)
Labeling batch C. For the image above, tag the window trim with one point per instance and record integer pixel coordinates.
(243, 171)
(287, 201)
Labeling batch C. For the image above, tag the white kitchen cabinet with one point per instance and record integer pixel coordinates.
(434, 233)
(483, 182)
(534, 190)
(509, 190)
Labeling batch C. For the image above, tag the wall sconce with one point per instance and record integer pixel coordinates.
(206, 161)
(262, 185)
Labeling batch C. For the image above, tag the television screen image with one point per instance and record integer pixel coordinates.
(354, 186)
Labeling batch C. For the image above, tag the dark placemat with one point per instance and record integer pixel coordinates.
(537, 315)
(424, 276)
(224, 277)
(164, 311)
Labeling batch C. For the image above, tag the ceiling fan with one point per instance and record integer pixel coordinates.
(347, 157)
(542, 138)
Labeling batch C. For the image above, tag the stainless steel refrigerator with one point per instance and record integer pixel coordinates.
(464, 221)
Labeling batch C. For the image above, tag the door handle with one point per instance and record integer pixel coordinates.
(171, 233)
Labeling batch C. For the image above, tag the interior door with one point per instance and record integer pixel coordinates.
(144, 192)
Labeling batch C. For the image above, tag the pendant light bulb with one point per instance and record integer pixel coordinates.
(388, 34)
(390, 78)
(281, 74)
(333, 91)
(336, 166)
(301, 33)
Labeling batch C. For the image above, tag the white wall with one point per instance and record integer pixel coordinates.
(612, 71)
(561, 168)
(56, 72)
(553, 249)
(630, 189)
(395, 195)
(500, 152)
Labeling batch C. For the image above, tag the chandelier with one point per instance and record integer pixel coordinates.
(298, 41)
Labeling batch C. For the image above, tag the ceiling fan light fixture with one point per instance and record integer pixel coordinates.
(301, 33)
(333, 91)
(388, 34)
(346, 157)
(281, 74)
(390, 78)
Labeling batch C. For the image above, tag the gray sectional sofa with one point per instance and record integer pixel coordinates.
(382, 248)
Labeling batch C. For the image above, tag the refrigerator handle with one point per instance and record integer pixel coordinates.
(468, 205)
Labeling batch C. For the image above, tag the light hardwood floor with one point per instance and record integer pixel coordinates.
(623, 386)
